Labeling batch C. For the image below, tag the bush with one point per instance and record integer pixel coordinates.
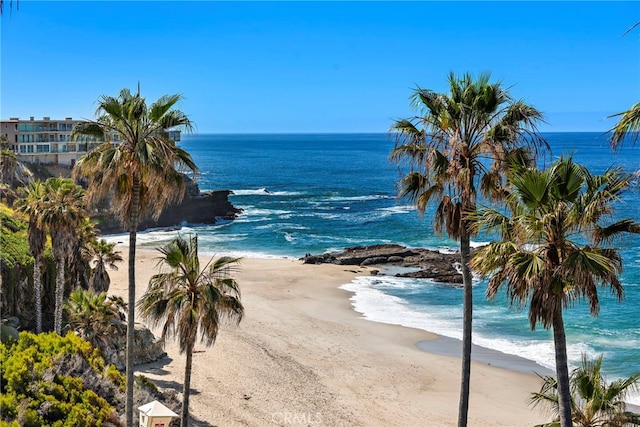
(41, 384)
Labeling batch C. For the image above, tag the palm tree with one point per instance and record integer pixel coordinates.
(103, 255)
(446, 149)
(136, 168)
(80, 270)
(186, 299)
(63, 212)
(31, 203)
(92, 316)
(551, 252)
(594, 402)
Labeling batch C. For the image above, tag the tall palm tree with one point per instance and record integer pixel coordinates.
(552, 249)
(594, 402)
(31, 203)
(461, 141)
(136, 168)
(186, 299)
(102, 255)
(63, 212)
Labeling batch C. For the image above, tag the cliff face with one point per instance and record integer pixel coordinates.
(197, 207)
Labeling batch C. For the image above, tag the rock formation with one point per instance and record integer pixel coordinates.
(146, 349)
(206, 207)
(438, 266)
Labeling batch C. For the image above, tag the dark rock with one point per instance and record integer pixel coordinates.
(455, 278)
(375, 260)
(434, 265)
(197, 207)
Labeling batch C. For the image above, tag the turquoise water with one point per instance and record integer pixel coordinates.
(315, 193)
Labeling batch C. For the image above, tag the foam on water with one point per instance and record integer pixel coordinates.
(355, 198)
(264, 192)
(370, 299)
(378, 306)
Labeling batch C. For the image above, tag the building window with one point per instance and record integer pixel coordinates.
(23, 148)
(29, 148)
(42, 148)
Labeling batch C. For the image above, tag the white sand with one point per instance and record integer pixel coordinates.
(302, 356)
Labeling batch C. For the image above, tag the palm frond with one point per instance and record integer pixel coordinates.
(628, 127)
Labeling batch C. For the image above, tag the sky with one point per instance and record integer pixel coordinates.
(306, 67)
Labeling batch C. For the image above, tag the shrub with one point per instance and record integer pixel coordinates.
(40, 377)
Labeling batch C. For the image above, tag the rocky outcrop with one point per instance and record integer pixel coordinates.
(146, 349)
(197, 207)
(438, 266)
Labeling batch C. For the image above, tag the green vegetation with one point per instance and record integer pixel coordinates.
(187, 299)
(14, 249)
(37, 388)
(139, 173)
(594, 401)
(446, 149)
(92, 315)
(16, 267)
(554, 248)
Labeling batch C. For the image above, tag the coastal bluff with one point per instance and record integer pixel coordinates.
(423, 263)
(197, 207)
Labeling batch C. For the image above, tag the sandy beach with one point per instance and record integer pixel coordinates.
(302, 356)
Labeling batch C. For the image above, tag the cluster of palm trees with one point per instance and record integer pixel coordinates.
(55, 208)
(139, 170)
(476, 140)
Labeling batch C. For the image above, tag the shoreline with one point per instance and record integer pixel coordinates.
(302, 351)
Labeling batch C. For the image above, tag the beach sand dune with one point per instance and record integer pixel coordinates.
(303, 357)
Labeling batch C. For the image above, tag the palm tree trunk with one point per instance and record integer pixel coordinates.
(562, 369)
(59, 296)
(467, 317)
(184, 416)
(37, 292)
(133, 229)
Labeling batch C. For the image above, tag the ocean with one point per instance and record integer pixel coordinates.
(313, 193)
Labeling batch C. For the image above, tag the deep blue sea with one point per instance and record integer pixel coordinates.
(315, 193)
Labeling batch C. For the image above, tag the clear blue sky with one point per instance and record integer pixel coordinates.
(317, 66)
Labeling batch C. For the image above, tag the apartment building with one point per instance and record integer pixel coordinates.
(48, 141)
